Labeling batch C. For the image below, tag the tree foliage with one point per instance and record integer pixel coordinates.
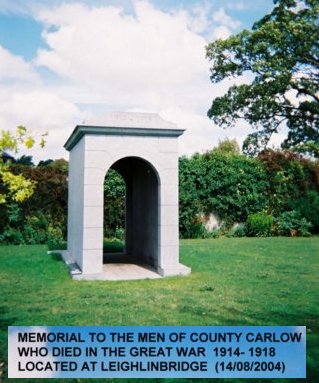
(15, 187)
(50, 195)
(227, 146)
(41, 217)
(293, 184)
(282, 54)
(231, 186)
(114, 204)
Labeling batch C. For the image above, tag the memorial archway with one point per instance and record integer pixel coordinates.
(143, 149)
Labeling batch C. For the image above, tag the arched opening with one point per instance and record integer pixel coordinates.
(139, 219)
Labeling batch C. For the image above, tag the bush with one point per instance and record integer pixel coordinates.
(228, 184)
(308, 207)
(190, 226)
(239, 230)
(120, 233)
(113, 245)
(49, 198)
(35, 229)
(114, 205)
(30, 230)
(55, 240)
(12, 236)
(196, 230)
(291, 178)
(260, 225)
(291, 224)
(216, 233)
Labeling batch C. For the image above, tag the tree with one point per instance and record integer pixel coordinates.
(24, 160)
(43, 163)
(282, 53)
(114, 204)
(228, 185)
(15, 187)
(227, 146)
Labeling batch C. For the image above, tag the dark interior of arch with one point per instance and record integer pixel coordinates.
(141, 211)
(114, 213)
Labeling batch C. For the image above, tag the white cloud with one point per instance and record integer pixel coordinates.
(221, 32)
(201, 133)
(225, 25)
(106, 60)
(222, 18)
(199, 17)
(15, 68)
(150, 54)
(151, 61)
(37, 108)
(41, 112)
(238, 5)
(24, 100)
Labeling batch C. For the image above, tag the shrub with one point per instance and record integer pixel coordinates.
(216, 233)
(196, 230)
(308, 207)
(233, 186)
(30, 230)
(260, 225)
(120, 233)
(238, 230)
(112, 245)
(35, 229)
(228, 184)
(49, 198)
(11, 236)
(291, 224)
(114, 205)
(190, 225)
(291, 177)
(55, 240)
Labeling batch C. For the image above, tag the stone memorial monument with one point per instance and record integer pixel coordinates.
(143, 149)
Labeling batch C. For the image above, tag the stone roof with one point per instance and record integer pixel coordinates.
(124, 123)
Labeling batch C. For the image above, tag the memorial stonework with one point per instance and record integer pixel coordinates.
(143, 149)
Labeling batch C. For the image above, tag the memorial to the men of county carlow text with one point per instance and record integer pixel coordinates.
(143, 149)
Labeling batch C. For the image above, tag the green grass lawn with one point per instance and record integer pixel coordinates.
(234, 281)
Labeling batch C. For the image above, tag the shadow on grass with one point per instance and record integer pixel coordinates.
(56, 256)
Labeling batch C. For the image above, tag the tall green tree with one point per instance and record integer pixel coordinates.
(281, 53)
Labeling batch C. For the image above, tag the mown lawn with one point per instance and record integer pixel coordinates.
(234, 281)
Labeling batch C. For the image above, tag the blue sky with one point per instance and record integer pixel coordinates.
(64, 62)
(20, 35)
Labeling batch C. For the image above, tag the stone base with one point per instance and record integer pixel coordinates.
(171, 271)
(120, 271)
(69, 261)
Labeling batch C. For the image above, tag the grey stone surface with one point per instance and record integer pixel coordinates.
(143, 149)
(120, 272)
